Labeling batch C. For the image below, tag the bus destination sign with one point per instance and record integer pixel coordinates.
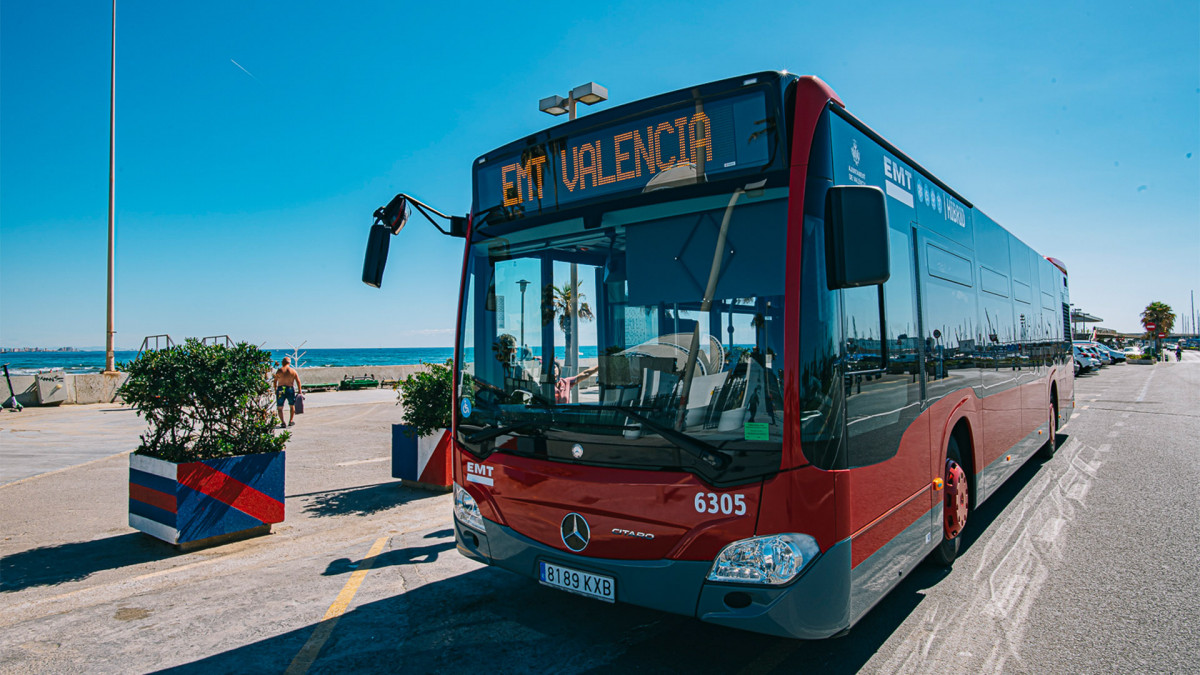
(687, 144)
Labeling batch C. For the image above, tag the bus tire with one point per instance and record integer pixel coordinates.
(946, 552)
(1046, 452)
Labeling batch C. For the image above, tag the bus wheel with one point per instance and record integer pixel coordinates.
(956, 507)
(1046, 452)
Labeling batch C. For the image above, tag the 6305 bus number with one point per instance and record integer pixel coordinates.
(730, 505)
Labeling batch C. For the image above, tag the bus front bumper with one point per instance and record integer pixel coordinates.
(815, 605)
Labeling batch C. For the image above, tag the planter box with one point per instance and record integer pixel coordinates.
(198, 504)
(1141, 362)
(421, 461)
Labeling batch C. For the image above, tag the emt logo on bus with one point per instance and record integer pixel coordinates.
(684, 140)
(897, 173)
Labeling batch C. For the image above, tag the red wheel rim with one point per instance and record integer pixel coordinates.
(957, 501)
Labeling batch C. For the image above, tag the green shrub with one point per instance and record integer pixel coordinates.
(426, 398)
(203, 401)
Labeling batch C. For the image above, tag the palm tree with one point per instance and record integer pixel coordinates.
(558, 301)
(1159, 314)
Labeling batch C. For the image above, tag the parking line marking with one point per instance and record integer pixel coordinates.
(311, 649)
(1145, 388)
(365, 461)
(65, 468)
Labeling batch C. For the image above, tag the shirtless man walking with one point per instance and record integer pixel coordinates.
(287, 385)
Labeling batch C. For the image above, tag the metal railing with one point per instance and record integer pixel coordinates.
(217, 339)
(158, 343)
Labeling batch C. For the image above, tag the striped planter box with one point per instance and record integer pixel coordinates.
(421, 461)
(188, 504)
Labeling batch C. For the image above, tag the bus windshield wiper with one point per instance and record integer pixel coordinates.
(494, 432)
(689, 444)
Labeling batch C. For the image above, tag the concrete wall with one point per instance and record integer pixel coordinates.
(25, 388)
(101, 388)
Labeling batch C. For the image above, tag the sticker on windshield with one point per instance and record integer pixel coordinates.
(465, 407)
(756, 431)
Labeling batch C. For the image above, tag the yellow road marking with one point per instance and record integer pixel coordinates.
(312, 648)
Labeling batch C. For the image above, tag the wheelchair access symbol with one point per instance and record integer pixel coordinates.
(465, 407)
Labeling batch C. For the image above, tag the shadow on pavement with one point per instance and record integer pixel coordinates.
(493, 619)
(51, 565)
(402, 556)
(362, 501)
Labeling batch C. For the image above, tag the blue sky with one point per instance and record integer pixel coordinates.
(244, 196)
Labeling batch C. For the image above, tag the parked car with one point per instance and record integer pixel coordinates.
(1093, 350)
(1085, 361)
(1133, 350)
(1117, 355)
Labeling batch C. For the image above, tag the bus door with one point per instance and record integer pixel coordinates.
(888, 439)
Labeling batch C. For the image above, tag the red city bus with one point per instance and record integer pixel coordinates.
(767, 362)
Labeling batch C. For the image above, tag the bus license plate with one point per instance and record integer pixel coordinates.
(575, 581)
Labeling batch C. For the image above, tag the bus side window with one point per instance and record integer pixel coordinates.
(863, 330)
(881, 380)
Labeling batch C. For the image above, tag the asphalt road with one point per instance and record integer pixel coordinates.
(1084, 564)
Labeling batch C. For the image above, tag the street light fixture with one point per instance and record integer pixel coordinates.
(590, 93)
(587, 94)
(524, 283)
(555, 105)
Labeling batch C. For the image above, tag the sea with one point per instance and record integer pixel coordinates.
(24, 363)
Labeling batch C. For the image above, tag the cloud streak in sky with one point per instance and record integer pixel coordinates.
(242, 69)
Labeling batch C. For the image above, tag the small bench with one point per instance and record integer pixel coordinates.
(349, 383)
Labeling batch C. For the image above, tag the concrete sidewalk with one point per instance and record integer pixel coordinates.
(40, 440)
(78, 584)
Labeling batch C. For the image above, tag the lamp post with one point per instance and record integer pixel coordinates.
(523, 284)
(109, 366)
(587, 94)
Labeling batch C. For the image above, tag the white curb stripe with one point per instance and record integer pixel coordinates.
(158, 467)
(154, 528)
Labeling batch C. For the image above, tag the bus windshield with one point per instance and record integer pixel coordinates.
(644, 337)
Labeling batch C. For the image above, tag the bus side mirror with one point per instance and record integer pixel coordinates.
(856, 236)
(376, 257)
(395, 214)
(389, 220)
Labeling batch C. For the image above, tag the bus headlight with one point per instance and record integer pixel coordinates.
(466, 510)
(772, 560)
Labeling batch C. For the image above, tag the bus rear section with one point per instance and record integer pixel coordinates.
(679, 385)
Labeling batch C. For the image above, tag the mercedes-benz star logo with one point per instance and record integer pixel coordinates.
(575, 532)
